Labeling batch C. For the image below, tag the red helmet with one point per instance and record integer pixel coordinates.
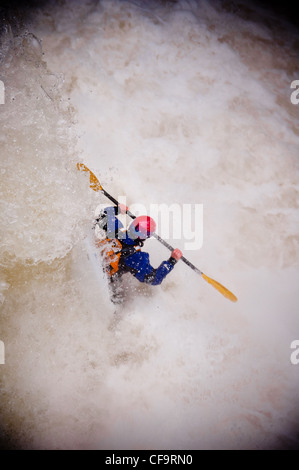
(142, 227)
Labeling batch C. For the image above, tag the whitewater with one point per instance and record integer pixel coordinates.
(183, 102)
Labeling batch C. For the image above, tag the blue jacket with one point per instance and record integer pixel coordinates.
(135, 262)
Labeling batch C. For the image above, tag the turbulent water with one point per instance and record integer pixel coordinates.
(167, 102)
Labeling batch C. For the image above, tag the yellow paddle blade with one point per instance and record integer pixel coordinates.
(94, 182)
(223, 290)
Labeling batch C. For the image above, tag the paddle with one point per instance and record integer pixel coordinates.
(96, 186)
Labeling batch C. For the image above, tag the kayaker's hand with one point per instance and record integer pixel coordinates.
(176, 254)
(123, 208)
